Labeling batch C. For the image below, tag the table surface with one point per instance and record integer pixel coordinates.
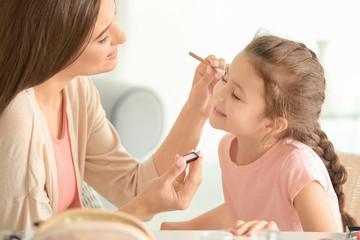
(266, 235)
(222, 235)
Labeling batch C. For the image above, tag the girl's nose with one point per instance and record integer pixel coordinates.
(219, 93)
(220, 98)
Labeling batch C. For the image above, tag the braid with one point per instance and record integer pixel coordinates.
(338, 175)
(295, 90)
(326, 151)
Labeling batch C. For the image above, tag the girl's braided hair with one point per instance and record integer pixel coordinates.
(295, 89)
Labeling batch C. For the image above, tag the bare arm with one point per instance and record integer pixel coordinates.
(217, 218)
(186, 131)
(314, 210)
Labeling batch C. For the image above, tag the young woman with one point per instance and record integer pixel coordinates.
(53, 129)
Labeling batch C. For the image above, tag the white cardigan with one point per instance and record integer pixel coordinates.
(28, 180)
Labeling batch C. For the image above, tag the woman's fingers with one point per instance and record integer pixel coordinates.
(213, 63)
(210, 76)
(195, 168)
(180, 188)
(214, 75)
(191, 183)
(194, 176)
(216, 62)
(175, 170)
(222, 63)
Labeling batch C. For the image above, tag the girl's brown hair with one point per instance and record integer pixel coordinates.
(295, 89)
(40, 38)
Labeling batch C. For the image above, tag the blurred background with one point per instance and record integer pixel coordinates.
(160, 34)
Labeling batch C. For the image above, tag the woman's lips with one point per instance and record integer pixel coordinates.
(218, 113)
(112, 55)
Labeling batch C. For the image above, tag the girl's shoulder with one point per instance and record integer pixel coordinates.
(299, 152)
(227, 138)
(303, 162)
(295, 144)
(226, 141)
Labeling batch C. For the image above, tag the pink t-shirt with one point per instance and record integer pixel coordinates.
(266, 188)
(68, 192)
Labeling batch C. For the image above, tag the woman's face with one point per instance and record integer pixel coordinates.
(100, 55)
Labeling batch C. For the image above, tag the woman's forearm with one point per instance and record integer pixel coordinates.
(138, 208)
(186, 132)
(183, 136)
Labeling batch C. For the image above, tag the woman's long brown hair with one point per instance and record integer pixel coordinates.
(295, 89)
(39, 38)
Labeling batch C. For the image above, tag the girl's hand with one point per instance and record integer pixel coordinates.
(173, 190)
(204, 81)
(251, 227)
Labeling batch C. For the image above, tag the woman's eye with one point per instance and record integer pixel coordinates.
(104, 39)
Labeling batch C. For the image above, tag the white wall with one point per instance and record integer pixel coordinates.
(161, 33)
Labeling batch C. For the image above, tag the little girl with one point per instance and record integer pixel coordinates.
(277, 164)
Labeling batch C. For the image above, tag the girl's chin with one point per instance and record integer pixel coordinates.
(213, 124)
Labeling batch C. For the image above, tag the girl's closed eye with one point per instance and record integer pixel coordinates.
(104, 39)
(234, 96)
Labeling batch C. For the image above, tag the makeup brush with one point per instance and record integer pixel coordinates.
(204, 61)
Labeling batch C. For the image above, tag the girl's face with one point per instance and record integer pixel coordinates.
(100, 55)
(239, 105)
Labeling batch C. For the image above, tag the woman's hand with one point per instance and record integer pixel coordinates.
(186, 131)
(251, 227)
(173, 190)
(205, 79)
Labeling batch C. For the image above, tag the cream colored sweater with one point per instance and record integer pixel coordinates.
(28, 181)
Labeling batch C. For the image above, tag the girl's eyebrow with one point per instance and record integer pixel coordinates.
(235, 83)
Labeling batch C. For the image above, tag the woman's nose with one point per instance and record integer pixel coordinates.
(117, 35)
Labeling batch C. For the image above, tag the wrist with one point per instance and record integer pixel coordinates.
(139, 208)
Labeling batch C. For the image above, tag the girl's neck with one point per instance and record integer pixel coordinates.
(246, 152)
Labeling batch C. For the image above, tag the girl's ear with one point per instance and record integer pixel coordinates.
(277, 125)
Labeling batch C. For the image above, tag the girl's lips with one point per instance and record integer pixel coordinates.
(112, 55)
(218, 113)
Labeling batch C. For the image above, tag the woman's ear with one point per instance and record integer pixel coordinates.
(277, 125)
